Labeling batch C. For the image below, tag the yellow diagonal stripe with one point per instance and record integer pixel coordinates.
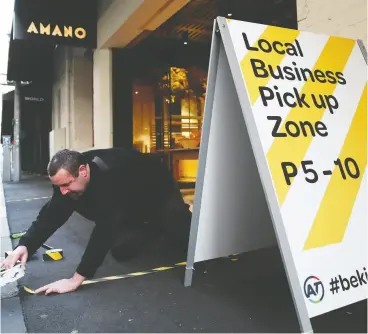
(334, 57)
(55, 255)
(273, 58)
(334, 213)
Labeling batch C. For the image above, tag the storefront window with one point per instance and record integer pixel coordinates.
(168, 115)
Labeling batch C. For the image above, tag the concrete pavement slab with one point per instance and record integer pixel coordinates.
(4, 227)
(9, 291)
(29, 187)
(2, 207)
(6, 245)
(12, 316)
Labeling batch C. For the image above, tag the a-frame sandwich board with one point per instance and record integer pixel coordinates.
(277, 152)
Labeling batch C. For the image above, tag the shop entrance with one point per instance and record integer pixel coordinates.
(167, 119)
(162, 80)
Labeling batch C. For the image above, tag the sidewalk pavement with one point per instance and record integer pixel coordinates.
(12, 320)
(247, 295)
(12, 317)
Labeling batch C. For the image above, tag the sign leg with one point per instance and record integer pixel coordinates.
(188, 277)
(212, 74)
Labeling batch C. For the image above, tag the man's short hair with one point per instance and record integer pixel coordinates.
(66, 159)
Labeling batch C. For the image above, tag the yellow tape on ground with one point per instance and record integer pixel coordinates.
(181, 264)
(162, 268)
(116, 277)
(111, 278)
(29, 290)
(140, 273)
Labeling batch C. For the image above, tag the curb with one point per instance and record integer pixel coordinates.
(10, 290)
(12, 318)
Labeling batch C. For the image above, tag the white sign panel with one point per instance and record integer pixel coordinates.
(308, 98)
(234, 217)
(284, 144)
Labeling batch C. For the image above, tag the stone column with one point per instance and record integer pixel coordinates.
(334, 17)
(16, 147)
(102, 99)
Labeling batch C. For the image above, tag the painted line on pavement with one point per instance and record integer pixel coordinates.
(27, 199)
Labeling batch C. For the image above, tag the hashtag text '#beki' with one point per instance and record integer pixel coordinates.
(347, 283)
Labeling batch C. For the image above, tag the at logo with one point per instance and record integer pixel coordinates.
(313, 289)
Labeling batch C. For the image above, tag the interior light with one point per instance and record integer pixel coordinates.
(136, 93)
(185, 37)
(230, 14)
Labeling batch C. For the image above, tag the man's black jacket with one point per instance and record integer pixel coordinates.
(132, 187)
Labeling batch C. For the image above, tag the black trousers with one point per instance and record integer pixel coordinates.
(171, 219)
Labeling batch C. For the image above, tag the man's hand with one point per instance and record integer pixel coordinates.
(63, 286)
(19, 254)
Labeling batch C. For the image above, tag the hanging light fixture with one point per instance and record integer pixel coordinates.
(185, 37)
(229, 8)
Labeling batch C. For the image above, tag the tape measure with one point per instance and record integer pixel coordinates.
(51, 253)
(112, 278)
(232, 257)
